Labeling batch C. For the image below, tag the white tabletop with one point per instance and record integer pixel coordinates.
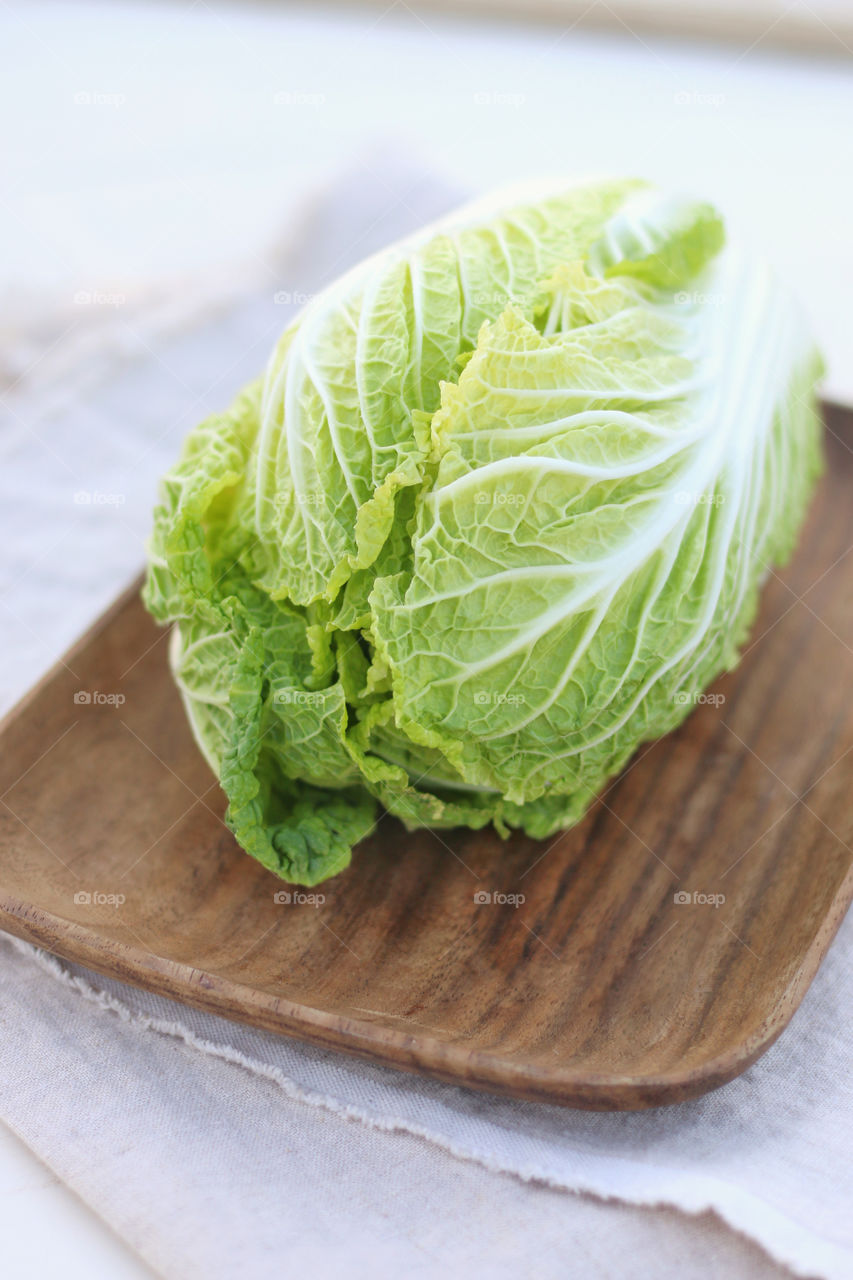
(162, 138)
(48, 1231)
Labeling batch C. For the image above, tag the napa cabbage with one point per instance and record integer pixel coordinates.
(497, 512)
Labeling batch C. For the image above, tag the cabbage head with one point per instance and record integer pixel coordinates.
(497, 512)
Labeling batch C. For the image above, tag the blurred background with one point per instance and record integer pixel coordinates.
(153, 140)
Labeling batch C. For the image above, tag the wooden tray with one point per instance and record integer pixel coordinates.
(600, 989)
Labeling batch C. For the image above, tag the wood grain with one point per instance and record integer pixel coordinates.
(598, 990)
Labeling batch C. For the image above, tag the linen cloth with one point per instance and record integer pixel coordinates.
(218, 1150)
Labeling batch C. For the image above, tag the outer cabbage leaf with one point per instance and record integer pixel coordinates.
(588, 555)
(347, 397)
